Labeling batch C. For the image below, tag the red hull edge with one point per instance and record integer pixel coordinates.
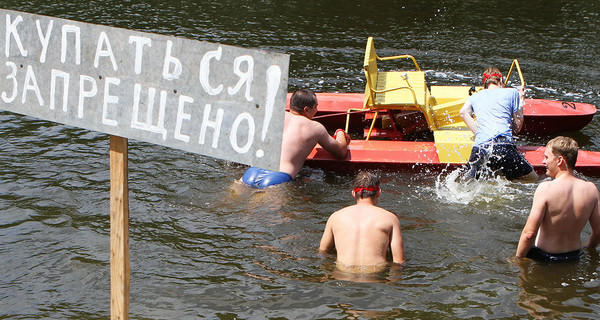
(422, 157)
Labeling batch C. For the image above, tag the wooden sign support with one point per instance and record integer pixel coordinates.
(119, 230)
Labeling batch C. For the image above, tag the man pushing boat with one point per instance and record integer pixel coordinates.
(499, 114)
(300, 135)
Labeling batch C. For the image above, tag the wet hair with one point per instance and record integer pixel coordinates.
(493, 79)
(303, 98)
(366, 179)
(565, 147)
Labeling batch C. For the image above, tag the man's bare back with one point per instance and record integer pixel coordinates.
(561, 208)
(569, 202)
(362, 233)
(300, 136)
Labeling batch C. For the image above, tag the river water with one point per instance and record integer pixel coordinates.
(201, 247)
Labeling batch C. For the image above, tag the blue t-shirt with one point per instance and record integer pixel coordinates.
(494, 109)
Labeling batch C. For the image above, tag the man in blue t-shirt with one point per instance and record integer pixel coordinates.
(499, 113)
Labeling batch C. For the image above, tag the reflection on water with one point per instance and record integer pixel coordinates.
(201, 246)
(551, 290)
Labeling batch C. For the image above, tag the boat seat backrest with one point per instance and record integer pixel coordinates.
(404, 90)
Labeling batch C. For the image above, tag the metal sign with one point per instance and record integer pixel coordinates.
(207, 98)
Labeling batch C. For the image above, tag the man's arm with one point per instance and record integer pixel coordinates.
(338, 146)
(396, 245)
(466, 114)
(518, 116)
(538, 210)
(327, 243)
(594, 239)
(517, 120)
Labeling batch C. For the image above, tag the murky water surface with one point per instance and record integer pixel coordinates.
(201, 248)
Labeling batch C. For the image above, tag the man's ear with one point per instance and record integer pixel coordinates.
(562, 161)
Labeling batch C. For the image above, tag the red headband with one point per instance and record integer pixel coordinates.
(360, 189)
(487, 76)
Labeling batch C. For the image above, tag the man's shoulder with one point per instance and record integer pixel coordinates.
(550, 187)
(302, 121)
(587, 185)
(488, 94)
(542, 186)
(547, 189)
(343, 211)
(385, 213)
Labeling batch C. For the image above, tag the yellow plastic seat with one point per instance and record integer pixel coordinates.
(394, 90)
(406, 90)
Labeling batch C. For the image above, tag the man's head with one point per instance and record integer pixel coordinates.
(304, 101)
(561, 147)
(492, 75)
(366, 185)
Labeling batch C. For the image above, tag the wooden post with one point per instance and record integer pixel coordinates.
(119, 230)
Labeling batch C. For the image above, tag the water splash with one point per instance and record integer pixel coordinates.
(450, 188)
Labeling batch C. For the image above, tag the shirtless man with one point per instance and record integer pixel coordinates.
(362, 233)
(300, 136)
(561, 208)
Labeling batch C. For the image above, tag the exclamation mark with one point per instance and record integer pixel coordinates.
(273, 79)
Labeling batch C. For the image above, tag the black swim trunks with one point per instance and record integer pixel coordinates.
(501, 155)
(538, 254)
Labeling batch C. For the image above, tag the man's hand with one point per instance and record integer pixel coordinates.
(346, 135)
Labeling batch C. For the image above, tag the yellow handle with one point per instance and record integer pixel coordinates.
(515, 63)
(405, 56)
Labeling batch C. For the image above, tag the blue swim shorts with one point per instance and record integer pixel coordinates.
(261, 178)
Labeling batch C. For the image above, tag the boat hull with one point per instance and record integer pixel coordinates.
(422, 156)
(549, 116)
(541, 116)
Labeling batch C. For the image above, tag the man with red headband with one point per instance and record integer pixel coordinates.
(499, 114)
(300, 135)
(362, 233)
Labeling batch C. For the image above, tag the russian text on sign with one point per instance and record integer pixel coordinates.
(202, 97)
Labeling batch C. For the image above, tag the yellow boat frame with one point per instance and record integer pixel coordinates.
(386, 91)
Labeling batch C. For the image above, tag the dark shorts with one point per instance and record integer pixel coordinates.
(262, 178)
(538, 254)
(500, 155)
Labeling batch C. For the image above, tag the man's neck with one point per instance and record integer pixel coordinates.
(563, 173)
(367, 201)
(296, 113)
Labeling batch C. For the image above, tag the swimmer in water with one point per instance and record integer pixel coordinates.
(362, 233)
(300, 135)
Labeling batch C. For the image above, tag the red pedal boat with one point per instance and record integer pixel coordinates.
(397, 104)
(541, 117)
